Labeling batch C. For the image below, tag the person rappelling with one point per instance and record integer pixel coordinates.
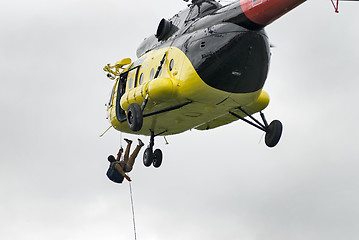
(119, 167)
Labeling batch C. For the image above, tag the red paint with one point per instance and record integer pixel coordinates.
(336, 6)
(264, 12)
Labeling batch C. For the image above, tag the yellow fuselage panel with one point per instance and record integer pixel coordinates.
(178, 83)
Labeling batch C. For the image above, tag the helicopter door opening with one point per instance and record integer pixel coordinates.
(120, 113)
(128, 78)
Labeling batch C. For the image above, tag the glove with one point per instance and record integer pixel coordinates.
(128, 178)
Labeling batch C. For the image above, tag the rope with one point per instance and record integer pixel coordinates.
(133, 212)
(133, 209)
(121, 139)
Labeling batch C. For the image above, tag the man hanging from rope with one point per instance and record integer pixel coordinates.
(118, 168)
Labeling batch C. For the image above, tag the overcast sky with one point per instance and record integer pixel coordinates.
(218, 184)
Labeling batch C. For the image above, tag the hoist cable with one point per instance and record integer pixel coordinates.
(120, 139)
(133, 212)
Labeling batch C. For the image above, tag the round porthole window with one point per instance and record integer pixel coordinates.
(152, 74)
(141, 79)
(172, 62)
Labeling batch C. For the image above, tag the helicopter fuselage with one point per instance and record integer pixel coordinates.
(228, 51)
(195, 72)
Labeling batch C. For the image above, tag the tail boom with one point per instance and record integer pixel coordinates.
(264, 12)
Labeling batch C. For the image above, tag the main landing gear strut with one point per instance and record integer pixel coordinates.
(135, 121)
(152, 157)
(273, 130)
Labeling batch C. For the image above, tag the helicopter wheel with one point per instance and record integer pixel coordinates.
(148, 157)
(273, 134)
(157, 158)
(134, 117)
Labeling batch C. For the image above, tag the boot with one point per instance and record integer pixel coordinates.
(140, 143)
(128, 141)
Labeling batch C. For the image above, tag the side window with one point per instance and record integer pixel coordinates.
(159, 74)
(132, 77)
(130, 81)
(140, 81)
(172, 62)
(152, 74)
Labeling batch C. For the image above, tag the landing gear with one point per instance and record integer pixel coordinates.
(152, 157)
(134, 117)
(148, 157)
(273, 130)
(273, 133)
(157, 158)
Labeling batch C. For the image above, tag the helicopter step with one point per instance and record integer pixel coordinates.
(152, 157)
(273, 130)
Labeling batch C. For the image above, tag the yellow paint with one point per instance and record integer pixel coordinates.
(209, 107)
(123, 62)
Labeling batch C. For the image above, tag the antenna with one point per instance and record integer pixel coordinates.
(336, 4)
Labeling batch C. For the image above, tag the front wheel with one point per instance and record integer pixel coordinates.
(134, 117)
(273, 134)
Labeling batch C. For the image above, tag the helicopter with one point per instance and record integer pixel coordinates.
(203, 68)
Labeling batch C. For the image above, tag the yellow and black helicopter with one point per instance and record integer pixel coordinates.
(204, 68)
